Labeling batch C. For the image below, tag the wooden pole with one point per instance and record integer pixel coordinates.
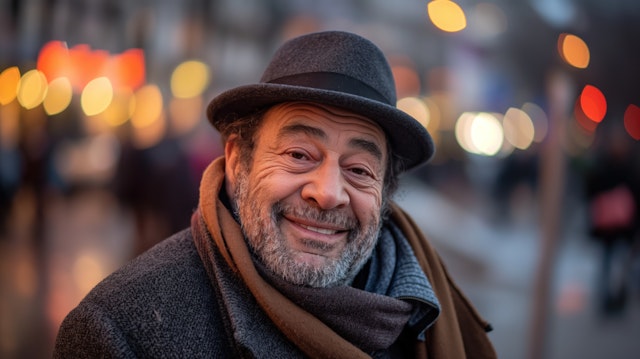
(552, 180)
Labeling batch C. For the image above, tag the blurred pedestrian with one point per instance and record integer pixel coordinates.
(612, 192)
(296, 249)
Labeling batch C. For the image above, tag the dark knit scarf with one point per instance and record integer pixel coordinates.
(373, 318)
(340, 322)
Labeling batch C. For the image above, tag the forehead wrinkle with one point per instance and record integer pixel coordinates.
(298, 128)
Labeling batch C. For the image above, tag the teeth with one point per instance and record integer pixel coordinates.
(320, 230)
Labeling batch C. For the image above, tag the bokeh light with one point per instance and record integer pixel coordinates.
(119, 110)
(32, 89)
(148, 106)
(446, 15)
(58, 96)
(9, 83)
(582, 120)
(96, 96)
(593, 103)
(574, 50)
(487, 133)
(86, 65)
(632, 121)
(53, 60)
(479, 133)
(81, 64)
(127, 70)
(518, 128)
(189, 79)
(416, 108)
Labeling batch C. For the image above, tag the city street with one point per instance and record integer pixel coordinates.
(89, 235)
(496, 266)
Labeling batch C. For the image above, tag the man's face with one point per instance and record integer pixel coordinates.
(310, 201)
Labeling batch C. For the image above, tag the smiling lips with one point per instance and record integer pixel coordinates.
(326, 231)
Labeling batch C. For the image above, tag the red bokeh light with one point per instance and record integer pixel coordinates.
(582, 119)
(593, 103)
(632, 121)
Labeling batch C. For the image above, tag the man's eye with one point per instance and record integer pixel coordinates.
(361, 171)
(298, 155)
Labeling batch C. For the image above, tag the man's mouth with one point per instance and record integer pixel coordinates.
(319, 230)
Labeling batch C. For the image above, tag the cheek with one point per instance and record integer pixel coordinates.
(273, 184)
(366, 203)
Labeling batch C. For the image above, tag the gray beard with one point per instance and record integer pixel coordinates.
(260, 226)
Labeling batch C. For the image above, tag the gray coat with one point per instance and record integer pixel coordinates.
(162, 305)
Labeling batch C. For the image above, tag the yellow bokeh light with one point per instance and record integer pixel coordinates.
(446, 15)
(32, 89)
(148, 106)
(189, 79)
(96, 96)
(58, 96)
(574, 50)
(118, 111)
(9, 82)
(518, 128)
(415, 108)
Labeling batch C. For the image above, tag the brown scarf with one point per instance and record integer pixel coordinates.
(306, 330)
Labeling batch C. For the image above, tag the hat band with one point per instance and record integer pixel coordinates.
(333, 82)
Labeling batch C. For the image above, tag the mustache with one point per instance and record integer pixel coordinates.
(339, 218)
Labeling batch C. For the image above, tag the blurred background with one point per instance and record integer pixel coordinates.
(532, 198)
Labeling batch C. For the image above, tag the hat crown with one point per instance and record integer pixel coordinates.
(334, 60)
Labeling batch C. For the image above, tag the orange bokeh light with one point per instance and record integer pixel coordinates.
(593, 103)
(574, 50)
(632, 121)
(53, 60)
(127, 70)
(81, 64)
(86, 64)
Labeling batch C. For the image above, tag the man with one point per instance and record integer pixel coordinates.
(296, 249)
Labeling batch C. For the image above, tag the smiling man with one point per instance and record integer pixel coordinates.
(296, 248)
(310, 198)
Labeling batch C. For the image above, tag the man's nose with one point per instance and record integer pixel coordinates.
(326, 187)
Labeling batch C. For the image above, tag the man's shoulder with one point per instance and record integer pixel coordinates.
(161, 303)
(169, 265)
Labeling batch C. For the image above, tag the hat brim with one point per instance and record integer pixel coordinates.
(408, 138)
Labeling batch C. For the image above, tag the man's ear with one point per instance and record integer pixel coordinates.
(232, 158)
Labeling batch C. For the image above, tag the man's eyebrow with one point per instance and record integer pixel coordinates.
(368, 146)
(361, 143)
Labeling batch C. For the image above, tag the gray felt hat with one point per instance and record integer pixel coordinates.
(333, 68)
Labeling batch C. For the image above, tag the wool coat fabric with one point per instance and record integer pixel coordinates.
(167, 303)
